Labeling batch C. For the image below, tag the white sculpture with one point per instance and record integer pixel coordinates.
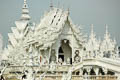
(68, 60)
(92, 46)
(108, 46)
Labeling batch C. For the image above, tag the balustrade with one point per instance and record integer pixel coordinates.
(102, 77)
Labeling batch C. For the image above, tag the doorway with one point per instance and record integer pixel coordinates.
(65, 51)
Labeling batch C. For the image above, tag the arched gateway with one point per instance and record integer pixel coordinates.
(65, 51)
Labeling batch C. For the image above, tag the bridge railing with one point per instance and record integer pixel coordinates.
(94, 77)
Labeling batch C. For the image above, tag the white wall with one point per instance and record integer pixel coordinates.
(66, 34)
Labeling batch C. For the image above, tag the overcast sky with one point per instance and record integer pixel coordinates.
(85, 12)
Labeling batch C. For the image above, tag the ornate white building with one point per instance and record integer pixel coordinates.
(56, 49)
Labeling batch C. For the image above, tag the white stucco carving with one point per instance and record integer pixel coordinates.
(56, 45)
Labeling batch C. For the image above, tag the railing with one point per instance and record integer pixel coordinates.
(93, 77)
(78, 77)
(75, 77)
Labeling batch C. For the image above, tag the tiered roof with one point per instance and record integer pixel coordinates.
(51, 26)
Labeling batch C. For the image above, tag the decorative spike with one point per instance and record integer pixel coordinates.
(92, 28)
(68, 11)
(63, 7)
(92, 35)
(25, 1)
(114, 41)
(51, 4)
(106, 29)
(107, 35)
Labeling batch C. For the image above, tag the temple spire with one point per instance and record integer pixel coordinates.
(92, 44)
(92, 35)
(25, 1)
(92, 29)
(106, 29)
(51, 4)
(106, 32)
(68, 11)
(25, 12)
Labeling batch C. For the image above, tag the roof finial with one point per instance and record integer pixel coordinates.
(92, 35)
(51, 4)
(25, 1)
(92, 28)
(68, 11)
(25, 11)
(107, 35)
(106, 28)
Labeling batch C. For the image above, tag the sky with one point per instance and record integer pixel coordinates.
(82, 12)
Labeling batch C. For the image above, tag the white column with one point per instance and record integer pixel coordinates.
(81, 72)
(82, 51)
(96, 71)
(118, 76)
(72, 49)
(57, 55)
(105, 70)
(49, 55)
(57, 51)
(88, 69)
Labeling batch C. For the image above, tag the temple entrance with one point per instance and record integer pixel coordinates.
(65, 52)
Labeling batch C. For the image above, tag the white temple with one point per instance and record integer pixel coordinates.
(56, 49)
